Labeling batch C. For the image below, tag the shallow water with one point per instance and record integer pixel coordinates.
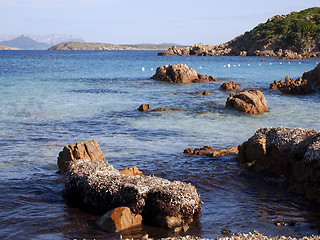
(49, 99)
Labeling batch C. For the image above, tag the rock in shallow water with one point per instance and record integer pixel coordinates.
(180, 73)
(252, 102)
(98, 185)
(293, 153)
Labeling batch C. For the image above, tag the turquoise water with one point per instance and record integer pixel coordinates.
(49, 99)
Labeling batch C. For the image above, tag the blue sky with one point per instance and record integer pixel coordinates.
(143, 21)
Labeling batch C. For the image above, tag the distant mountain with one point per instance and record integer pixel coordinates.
(26, 43)
(106, 46)
(8, 48)
(50, 39)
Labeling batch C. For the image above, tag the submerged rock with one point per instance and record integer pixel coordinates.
(81, 150)
(180, 73)
(98, 185)
(119, 219)
(252, 102)
(293, 153)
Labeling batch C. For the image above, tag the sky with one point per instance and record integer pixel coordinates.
(143, 21)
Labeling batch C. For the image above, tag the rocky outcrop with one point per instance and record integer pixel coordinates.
(119, 219)
(292, 153)
(81, 150)
(180, 73)
(291, 86)
(285, 36)
(313, 78)
(211, 151)
(131, 171)
(144, 107)
(252, 102)
(230, 86)
(98, 185)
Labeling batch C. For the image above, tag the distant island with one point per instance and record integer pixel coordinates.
(295, 35)
(8, 48)
(107, 46)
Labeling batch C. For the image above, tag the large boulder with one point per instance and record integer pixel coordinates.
(99, 186)
(180, 73)
(81, 150)
(292, 153)
(252, 102)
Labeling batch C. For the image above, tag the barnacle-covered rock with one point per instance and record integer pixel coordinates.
(293, 153)
(98, 185)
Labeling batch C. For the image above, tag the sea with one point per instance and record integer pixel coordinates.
(49, 99)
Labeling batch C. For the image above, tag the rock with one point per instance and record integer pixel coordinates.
(81, 150)
(292, 153)
(313, 77)
(206, 93)
(180, 73)
(119, 219)
(291, 86)
(252, 102)
(230, 86)
(131, 171)
(98, 185)
(211, 151)
(144, 107)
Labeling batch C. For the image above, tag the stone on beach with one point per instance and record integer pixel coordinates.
(293, 153)
(81, 150)
(252, 102)
(180, 73)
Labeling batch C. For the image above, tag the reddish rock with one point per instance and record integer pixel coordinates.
(230, 86)
(144, 107)
(211, 151)
(131, 171)
(180, 73)
(81, 150)
(291, 86)
(252, 102)
(206, 93)
(118, 219)
(292, 153)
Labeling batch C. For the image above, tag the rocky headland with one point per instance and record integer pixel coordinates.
(9, 48)
(291, 36)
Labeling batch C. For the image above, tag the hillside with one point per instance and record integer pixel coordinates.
(106, 46)
(295, 35)
(25, 42)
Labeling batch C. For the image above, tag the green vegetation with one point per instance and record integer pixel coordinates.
(295, 28)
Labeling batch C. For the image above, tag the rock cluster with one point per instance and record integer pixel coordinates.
(252, 102)
(291, 86)
(230, 86)
(293, 153)
(238, 47)
(180, 73)
(97, 185)
(211, 151)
